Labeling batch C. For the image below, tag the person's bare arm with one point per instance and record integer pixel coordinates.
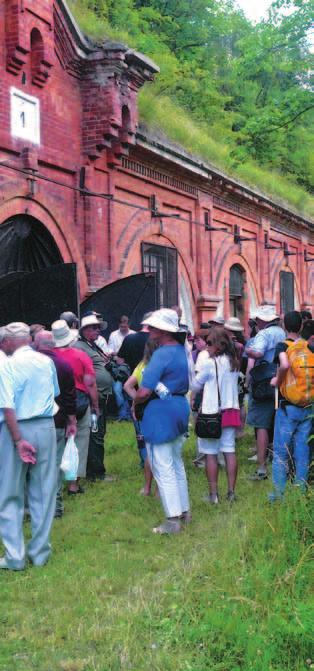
(130, 386)
(282, 370)
(254, 355)
(142, 395)
(249, 367)
(71, 427)
(26, 451)
(90, 384)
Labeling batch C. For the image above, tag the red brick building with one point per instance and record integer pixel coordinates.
(82, 181)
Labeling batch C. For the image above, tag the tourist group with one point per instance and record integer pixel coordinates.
(57, 383)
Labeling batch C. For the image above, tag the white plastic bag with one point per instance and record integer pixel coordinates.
(70, 460)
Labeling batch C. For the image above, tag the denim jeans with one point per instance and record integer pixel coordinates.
(121, 400)
(292, 429)
(140, 441)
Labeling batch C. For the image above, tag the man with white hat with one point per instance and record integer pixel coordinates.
(262, 410)
(28, 386)
(86, 396)
(89, 333)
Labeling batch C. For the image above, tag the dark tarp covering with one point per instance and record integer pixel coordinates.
(38, 297)
(131, 296)
(35, 286)
(26, 245)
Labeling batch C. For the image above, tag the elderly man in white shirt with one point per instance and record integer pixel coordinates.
(115, 341)
(28, 386)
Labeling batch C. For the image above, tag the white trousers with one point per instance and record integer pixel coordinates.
(168, 470)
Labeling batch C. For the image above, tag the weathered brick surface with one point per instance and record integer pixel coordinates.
(89, 119)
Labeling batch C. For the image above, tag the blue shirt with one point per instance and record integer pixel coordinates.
(28, 384)
(166, 419)
(266, 341)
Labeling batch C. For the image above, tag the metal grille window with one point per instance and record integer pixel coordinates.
(164, 262)
(236, 281)
(286, 291)
(236, 294)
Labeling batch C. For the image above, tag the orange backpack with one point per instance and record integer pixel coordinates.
(298, 385)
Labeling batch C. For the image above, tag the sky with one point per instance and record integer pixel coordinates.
(254, 9)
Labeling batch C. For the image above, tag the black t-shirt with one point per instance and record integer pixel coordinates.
(132, 348)
(282, 347)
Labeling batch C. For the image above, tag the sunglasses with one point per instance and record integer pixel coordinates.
(95, 327)
(209, 342)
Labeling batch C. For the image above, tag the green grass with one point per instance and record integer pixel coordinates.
(162, 113)
(230, 593)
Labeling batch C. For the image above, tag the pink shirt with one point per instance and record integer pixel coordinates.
(80, 363)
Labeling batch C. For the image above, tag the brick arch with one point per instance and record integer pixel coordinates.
(167, 240)
(230, 259)
(67, 245)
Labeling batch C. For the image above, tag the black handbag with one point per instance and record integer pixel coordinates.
(261, 376)
(209, 426)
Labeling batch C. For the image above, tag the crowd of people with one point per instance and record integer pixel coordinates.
(55, 385)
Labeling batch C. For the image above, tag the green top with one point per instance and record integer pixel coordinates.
(103, 377)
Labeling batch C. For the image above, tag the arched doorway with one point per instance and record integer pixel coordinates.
(35, 284)
(236, 292)
(26, 246)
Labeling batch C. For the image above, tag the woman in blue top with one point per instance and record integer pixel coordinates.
(165, 420)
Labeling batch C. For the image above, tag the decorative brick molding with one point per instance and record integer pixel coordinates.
(28, 33)
(158, 176)
(233, 206)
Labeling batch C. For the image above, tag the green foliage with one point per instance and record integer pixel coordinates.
(231, 593)
(246, 89)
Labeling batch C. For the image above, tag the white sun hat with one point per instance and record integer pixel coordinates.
(63, 335)
(266, 313)
(164, 320)
(92, 320)
(233, 324)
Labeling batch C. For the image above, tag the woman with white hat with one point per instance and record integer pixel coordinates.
(165, 419)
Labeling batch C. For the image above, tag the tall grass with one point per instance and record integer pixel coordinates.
(231, 593)
(160, 112)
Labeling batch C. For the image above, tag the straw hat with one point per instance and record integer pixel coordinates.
(62, 333)
(233, 324)
(92, 320)
(165, 320)
(266, 313)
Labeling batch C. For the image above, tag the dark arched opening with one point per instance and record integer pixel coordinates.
(37, 51)
(26, 246)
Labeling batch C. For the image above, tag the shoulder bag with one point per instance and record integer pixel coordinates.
(209, 426)
(261, 375)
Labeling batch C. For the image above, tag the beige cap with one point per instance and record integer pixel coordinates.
(16, 330)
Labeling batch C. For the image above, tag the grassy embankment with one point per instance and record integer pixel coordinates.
(231, 593)
(160, 113)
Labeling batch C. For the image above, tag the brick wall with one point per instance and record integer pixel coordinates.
(89, 120)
